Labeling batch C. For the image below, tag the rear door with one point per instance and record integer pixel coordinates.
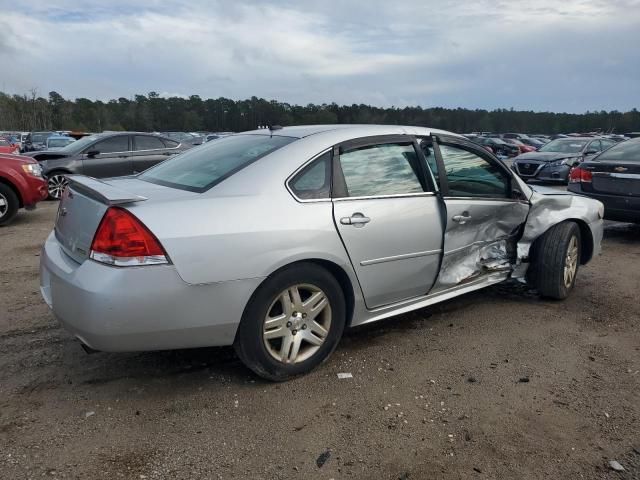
(113, 158)
(388, 216)
(148, 150)
(483, 212)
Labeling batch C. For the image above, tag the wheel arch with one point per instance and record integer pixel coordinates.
(337, 271)
(586, 238)
(15, 190)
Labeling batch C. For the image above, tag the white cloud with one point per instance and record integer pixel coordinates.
(575, 55)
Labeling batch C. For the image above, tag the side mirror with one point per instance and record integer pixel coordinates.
(92, 153)
(590, 152)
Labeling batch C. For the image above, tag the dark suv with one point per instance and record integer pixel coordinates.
(104, 155)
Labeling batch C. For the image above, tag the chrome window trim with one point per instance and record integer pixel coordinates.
(397, 195)
(403, 256)
(298, 170)
(492, 199)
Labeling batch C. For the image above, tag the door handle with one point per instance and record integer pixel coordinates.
(461, 219)
(357, 220)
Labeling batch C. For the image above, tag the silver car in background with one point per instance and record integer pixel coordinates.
(275, 240)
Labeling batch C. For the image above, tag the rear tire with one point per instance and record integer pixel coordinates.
(292, 323)
(555, 259)
(9, 204)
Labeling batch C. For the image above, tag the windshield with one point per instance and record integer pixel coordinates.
(628, 151)
(58, 142)
(40, 137)
(201, 168)
(564, 145)
(76, 147)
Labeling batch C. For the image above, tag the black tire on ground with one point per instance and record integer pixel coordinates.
(551, 258)
(250, 344)
(9, 204)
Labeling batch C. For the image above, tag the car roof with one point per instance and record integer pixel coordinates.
(302, 131)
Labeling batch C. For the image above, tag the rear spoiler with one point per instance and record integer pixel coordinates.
(101, 191)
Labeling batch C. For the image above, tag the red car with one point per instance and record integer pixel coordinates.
(8, 147)
(21, 185)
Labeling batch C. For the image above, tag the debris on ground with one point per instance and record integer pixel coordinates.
(89, 414)
(523, 380)
(614, 465)
(342, 376)
(322, 459)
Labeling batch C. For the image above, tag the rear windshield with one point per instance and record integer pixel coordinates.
(200, 168)
(628, 151)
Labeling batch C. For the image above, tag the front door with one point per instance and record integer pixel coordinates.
(483, 213)
(110, 157)
(388, 216)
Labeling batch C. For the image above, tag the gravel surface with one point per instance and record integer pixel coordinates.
(494, 384)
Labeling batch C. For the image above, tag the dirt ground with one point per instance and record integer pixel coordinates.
(495, 384)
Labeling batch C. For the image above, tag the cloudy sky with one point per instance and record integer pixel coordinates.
(570, 55)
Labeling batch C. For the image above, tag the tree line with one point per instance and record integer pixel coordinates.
(151, 112)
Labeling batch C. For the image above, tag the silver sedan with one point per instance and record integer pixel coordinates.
(276, 240)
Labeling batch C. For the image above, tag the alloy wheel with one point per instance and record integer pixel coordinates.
(4, 205)
(571, 262)
(297, 323)
(56, 185)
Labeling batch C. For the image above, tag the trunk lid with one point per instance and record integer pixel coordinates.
(614, 178)
(85, 201)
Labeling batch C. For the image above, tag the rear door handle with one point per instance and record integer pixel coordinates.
(357, 220)
(461, 219)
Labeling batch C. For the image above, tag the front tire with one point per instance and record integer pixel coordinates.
(9, 204)
(555, 259)
(293, 322)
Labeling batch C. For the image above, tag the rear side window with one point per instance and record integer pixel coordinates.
(199, 169)
(147, 142)
(314, 181)
(389, 169)
(628, 151)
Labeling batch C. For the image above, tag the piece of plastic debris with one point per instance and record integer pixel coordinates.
(616, 466)
(523, 380)
(342, 376)
(606, 414)
(89, 414)
(322, 459)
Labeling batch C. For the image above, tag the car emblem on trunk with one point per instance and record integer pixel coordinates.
(621, 169)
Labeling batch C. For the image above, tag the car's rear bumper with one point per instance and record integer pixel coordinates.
(139, 308)
(616, 207)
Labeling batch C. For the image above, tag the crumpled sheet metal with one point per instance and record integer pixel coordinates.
(464, 265)
(549, 210)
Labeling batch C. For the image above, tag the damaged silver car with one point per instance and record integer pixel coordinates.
(276, 240)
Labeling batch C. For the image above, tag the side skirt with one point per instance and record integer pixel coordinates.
(424, 301)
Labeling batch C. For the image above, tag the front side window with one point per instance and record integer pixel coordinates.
(199, 169)
(388, 169)
(147, 142)
(119, 143)
(469, 175)
(314, 182)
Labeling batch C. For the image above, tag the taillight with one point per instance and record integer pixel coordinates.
(580, 175)
(122, 240)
